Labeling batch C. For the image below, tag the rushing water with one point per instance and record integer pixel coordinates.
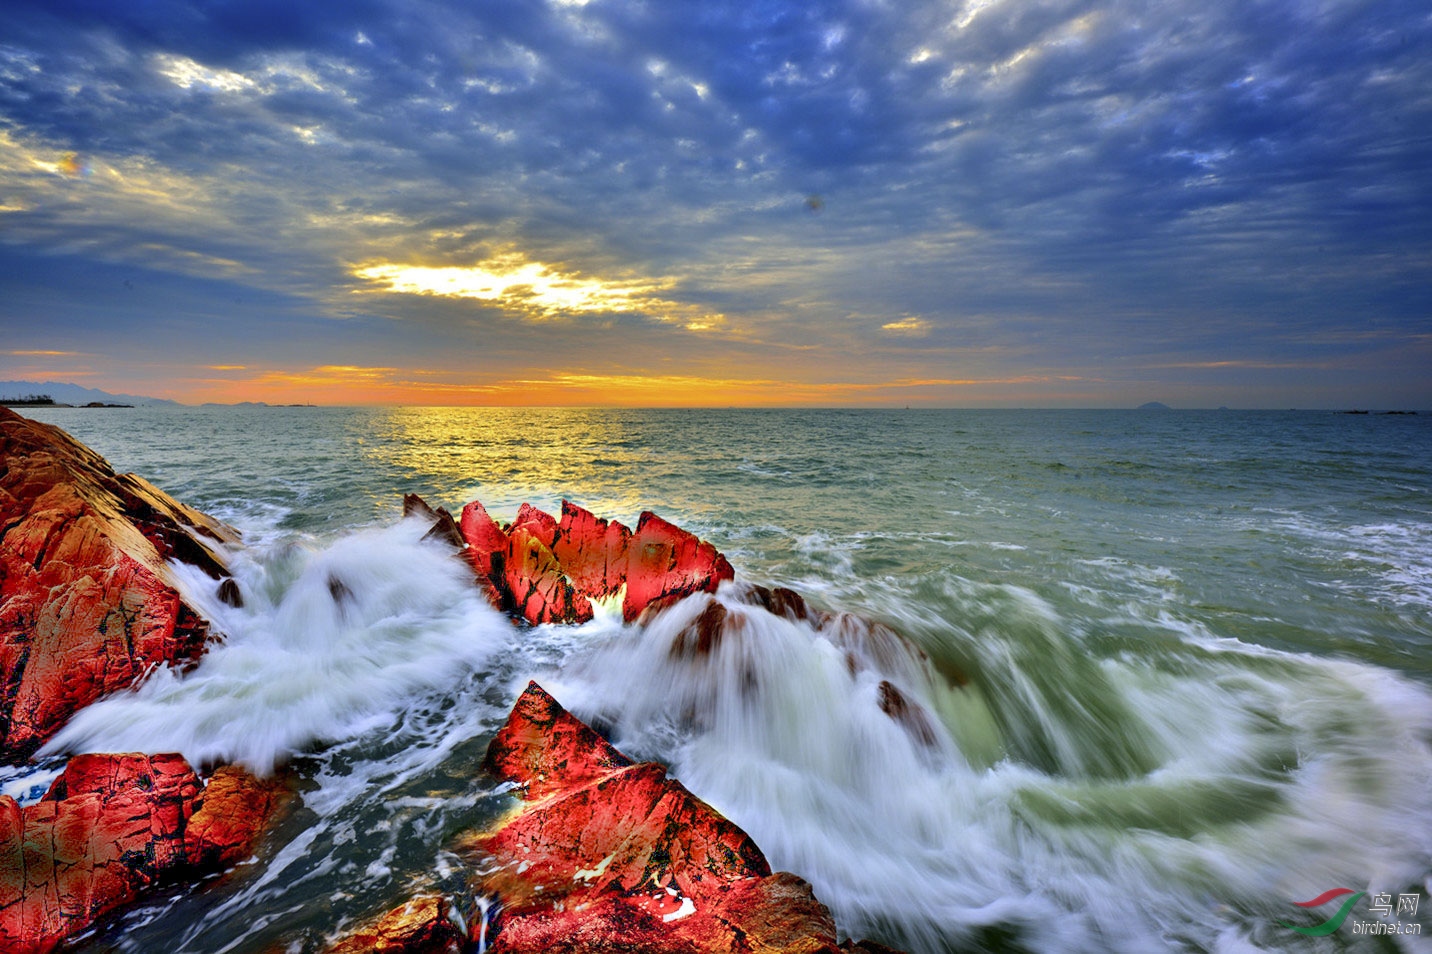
(1179, 663)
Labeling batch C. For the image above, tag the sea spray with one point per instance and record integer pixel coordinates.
(1063, 803)
(1194, 571)
(329, 644)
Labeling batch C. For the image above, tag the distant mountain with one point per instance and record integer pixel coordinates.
(1154, 406)
(74, 394)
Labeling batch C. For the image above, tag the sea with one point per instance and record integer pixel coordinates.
(1179, 664)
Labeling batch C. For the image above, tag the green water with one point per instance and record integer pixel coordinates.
(1195, 648)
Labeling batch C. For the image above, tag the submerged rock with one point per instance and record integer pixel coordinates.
(87, 602)
(421, 926)
(546, 570)
(607, 855)
(113, 828)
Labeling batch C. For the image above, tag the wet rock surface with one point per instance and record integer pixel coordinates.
(87, 604)
(423, 925)
(548, 570)
(604, 854)
(113, 828)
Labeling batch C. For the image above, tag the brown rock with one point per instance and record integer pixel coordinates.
(87, 604)
(703, 634)
(443, 527)
(779, 601)
(421, 926)
(908, 715)
(229, 816)
(606, 855)
(229, 593)
(113, 828)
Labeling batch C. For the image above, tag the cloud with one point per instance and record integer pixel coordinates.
(910, 325)
(538, 291)
(1014, 187)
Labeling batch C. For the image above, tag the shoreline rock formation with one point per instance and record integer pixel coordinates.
(602, 855)
(89, 606)
(113, 828)
(87, 603)
(547, 570)
(606, 852)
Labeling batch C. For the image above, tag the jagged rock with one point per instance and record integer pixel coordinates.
(540, 592)
(592, 551)
(113, 828)
(444, 527)
(664, 560)
(867, 645)
(87, 603)
(547, 570)
(604, 855)
(421, 926)
(779, 601)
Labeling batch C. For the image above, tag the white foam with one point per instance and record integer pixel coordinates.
(1268, 777)
(330, 644)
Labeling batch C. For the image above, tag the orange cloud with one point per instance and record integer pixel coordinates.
(351, 384)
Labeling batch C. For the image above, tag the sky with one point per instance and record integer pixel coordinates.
(967, 203)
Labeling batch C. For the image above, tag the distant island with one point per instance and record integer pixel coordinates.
(1155, 406)
(44, 400)
(59, 394)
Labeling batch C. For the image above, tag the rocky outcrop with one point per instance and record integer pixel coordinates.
(113, 828)
(548, 570)
(87, 603)
(698, 630)
(605, 855)
(423, 925)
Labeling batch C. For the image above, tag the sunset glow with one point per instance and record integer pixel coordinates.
(611, 202)
(535, 290)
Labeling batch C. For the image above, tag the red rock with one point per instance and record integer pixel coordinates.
(545, 570)
(537, 523)
(111, 829)
(486, 543)
(546, 749)
(539, 590)
(664, 560)
(606, 855)
(421, 926)
(592, 551)
(87, 602)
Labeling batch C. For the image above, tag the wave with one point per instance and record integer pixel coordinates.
(330, 643)
(1052, 801)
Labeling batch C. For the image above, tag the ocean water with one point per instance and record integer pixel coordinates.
(1177, 670)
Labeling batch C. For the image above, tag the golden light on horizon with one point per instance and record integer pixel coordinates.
(364, 385)
(538, 291)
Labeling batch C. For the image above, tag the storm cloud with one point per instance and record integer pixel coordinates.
(981, 202)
